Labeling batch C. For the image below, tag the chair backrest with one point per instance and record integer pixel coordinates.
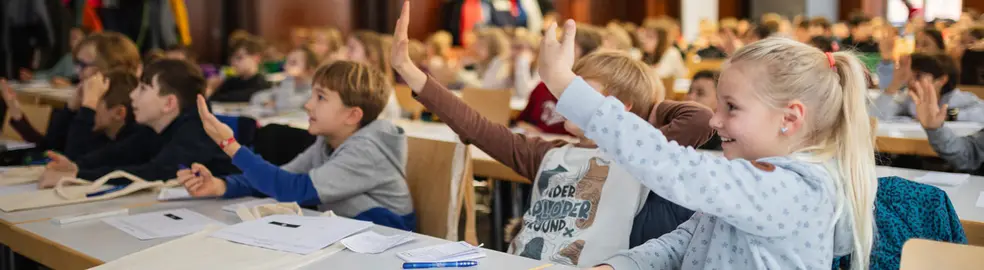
(695, 66)
(918, 254)
(436, 185)
(404, 96)
(493, 104)
(975, 89)
(37, 115)
(668, 92)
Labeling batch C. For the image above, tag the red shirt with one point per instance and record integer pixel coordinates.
(541, 111)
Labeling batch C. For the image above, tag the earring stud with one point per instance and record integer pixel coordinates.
(783, 129)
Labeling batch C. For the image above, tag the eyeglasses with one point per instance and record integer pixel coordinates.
(82, 64)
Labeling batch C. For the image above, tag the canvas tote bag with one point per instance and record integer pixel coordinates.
(20, 175)
(73, 191)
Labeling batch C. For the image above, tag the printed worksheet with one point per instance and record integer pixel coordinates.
(167, 223)
(294, 234)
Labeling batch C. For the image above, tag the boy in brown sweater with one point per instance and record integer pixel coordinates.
(583, 205)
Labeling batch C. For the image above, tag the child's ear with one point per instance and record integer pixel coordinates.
(939, 82)
(355, 116)
(119, 112)
(171, 103)
(794, 114)
(628, 107)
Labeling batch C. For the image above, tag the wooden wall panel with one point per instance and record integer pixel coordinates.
(733, 8)
(205, 21)
(275, 18)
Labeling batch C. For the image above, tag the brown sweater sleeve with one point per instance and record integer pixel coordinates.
(686, 123)
(521, 153)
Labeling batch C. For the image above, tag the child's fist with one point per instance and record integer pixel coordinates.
(199, 182)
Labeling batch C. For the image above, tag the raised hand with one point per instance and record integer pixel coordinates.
(93, 89)
(10, 98)
(400, 55)
(59, 167)
(218, 131)
(886, 44)
(926, 98)
(199, 182)
(902, 75)
(557, 58)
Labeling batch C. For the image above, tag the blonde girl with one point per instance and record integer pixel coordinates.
(524, 47)
(438, 47)
(325, 43)
(796, 185)
(373, 49)
(493, 69)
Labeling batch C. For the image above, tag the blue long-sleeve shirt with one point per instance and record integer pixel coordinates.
(263, 177)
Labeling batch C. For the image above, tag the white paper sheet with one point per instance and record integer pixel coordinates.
(247, 204)
(175, 193)
(15, 145)
(943, 179)
(372, 243)
(168, 223)
(294, 234)
(457, 251)
(980, 200)
(15, 189)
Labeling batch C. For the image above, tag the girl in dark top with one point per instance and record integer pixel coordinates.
(246, 56)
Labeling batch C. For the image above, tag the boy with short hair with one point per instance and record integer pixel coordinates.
(356, 167)
(247, 54)
(164, 102)
(584, 207)
(106, 115)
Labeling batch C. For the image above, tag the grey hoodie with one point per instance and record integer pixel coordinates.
(900, 106)
(965, 153)
(366, 171)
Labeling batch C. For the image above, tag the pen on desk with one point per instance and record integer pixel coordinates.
(422, 265)
(545, 266)
(99, 193)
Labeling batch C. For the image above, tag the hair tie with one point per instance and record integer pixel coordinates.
(830, 59)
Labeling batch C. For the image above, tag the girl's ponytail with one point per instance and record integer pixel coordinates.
(855, 148)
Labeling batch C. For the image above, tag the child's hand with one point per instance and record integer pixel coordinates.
(212, 84)
(902, 74)
(886, 45)
(10, 98)
(60, 82)
(218, 131)
(199, 182)
(557, 59)
(926, 98)
(400, 54)
(93, 89)
(76, 102)
(25, 75)
(59, 167)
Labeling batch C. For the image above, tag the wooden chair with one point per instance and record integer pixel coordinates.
(404, 96)
(493, 104)
(975, 89)
(37, 115)
(695, 66)
(440, 189)
(919, 254)
(974, 231)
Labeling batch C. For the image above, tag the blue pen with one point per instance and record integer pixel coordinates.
(98, 193)
(184, 167)
(422, 265)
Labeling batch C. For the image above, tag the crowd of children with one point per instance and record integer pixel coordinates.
(795, 187)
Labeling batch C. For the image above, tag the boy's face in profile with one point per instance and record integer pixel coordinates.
(327, 114)
(243, 62)
(148, 104)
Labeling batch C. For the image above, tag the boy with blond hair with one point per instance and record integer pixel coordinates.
(583, 205)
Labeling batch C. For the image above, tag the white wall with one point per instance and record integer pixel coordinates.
(825, 8)
(694, 11)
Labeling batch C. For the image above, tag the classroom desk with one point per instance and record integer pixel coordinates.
(90, 243)
(909, 138)
(99, 242)
(347, 259)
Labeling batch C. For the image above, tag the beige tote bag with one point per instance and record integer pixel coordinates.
(73, 191)
(199, 251)
(20, 175)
